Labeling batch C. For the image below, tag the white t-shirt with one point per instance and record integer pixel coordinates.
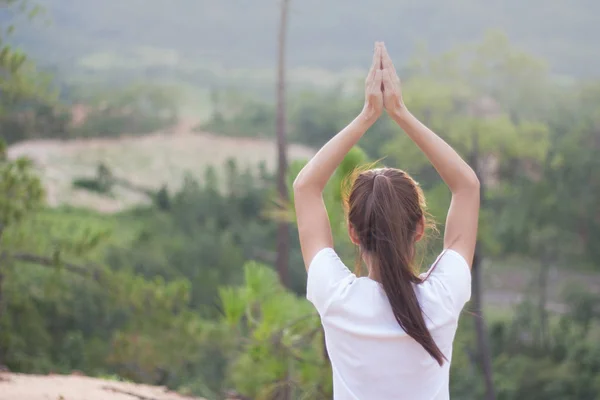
(371, 355)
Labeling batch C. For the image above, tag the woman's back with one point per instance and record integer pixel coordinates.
(371, 355)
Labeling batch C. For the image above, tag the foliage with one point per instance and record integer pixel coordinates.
(565, 365)
(274, 339)
(21, 189)
(234, 114)
(134, 109)
(26, 94)
(552, 208)
(27, 296)
(28, 107)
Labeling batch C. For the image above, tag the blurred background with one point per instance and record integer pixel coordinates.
(146, 221)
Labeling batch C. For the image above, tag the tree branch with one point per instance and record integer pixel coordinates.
(128, 393)
(92, 272)
(233, 395)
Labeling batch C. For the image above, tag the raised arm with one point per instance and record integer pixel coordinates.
(461, 223)
(311, 215)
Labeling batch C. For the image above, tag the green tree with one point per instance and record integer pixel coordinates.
(26, 93)
(133, 109)
(21, 193)
(274, 339)
(550, 213)
(27, 239)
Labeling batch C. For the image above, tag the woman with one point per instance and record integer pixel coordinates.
(389, 335)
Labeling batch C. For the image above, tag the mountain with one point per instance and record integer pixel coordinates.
(332, 34)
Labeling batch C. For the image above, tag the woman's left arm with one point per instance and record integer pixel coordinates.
(311, 215)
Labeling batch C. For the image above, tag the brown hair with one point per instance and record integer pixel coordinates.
(385, 208)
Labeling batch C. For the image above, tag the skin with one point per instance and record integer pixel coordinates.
(383, 92)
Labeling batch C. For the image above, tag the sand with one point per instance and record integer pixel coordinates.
(77, 387)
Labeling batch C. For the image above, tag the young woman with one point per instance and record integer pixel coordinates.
(389, 335)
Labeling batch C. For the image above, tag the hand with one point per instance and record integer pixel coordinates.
(392, 92)
(373, 84)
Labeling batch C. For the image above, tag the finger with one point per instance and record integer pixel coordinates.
(387, 61)
(385, 76)
(387, 80)
(375, 85)
(376, 60)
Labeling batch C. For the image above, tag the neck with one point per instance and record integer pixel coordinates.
(372, 268)
(373, 275)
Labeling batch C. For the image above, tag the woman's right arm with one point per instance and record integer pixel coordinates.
(462, 220)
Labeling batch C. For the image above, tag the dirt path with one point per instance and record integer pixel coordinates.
(74, 387)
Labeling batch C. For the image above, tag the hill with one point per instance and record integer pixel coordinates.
(336, 34)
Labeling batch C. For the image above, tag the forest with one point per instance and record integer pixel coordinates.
(187, 289)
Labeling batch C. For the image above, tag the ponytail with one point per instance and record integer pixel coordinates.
(387, 228)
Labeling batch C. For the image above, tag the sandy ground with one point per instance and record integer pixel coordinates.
(74, 387)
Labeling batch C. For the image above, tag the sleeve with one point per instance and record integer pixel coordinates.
(451, 271)
(327, 276)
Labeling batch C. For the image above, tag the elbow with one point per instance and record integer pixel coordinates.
(473, 182)
(301, 186)
(469, 183)
(298, 184)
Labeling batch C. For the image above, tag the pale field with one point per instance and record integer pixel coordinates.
(148, 161)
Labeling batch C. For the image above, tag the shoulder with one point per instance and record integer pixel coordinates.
(451, 273)
(327, 276)
(450, 262)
